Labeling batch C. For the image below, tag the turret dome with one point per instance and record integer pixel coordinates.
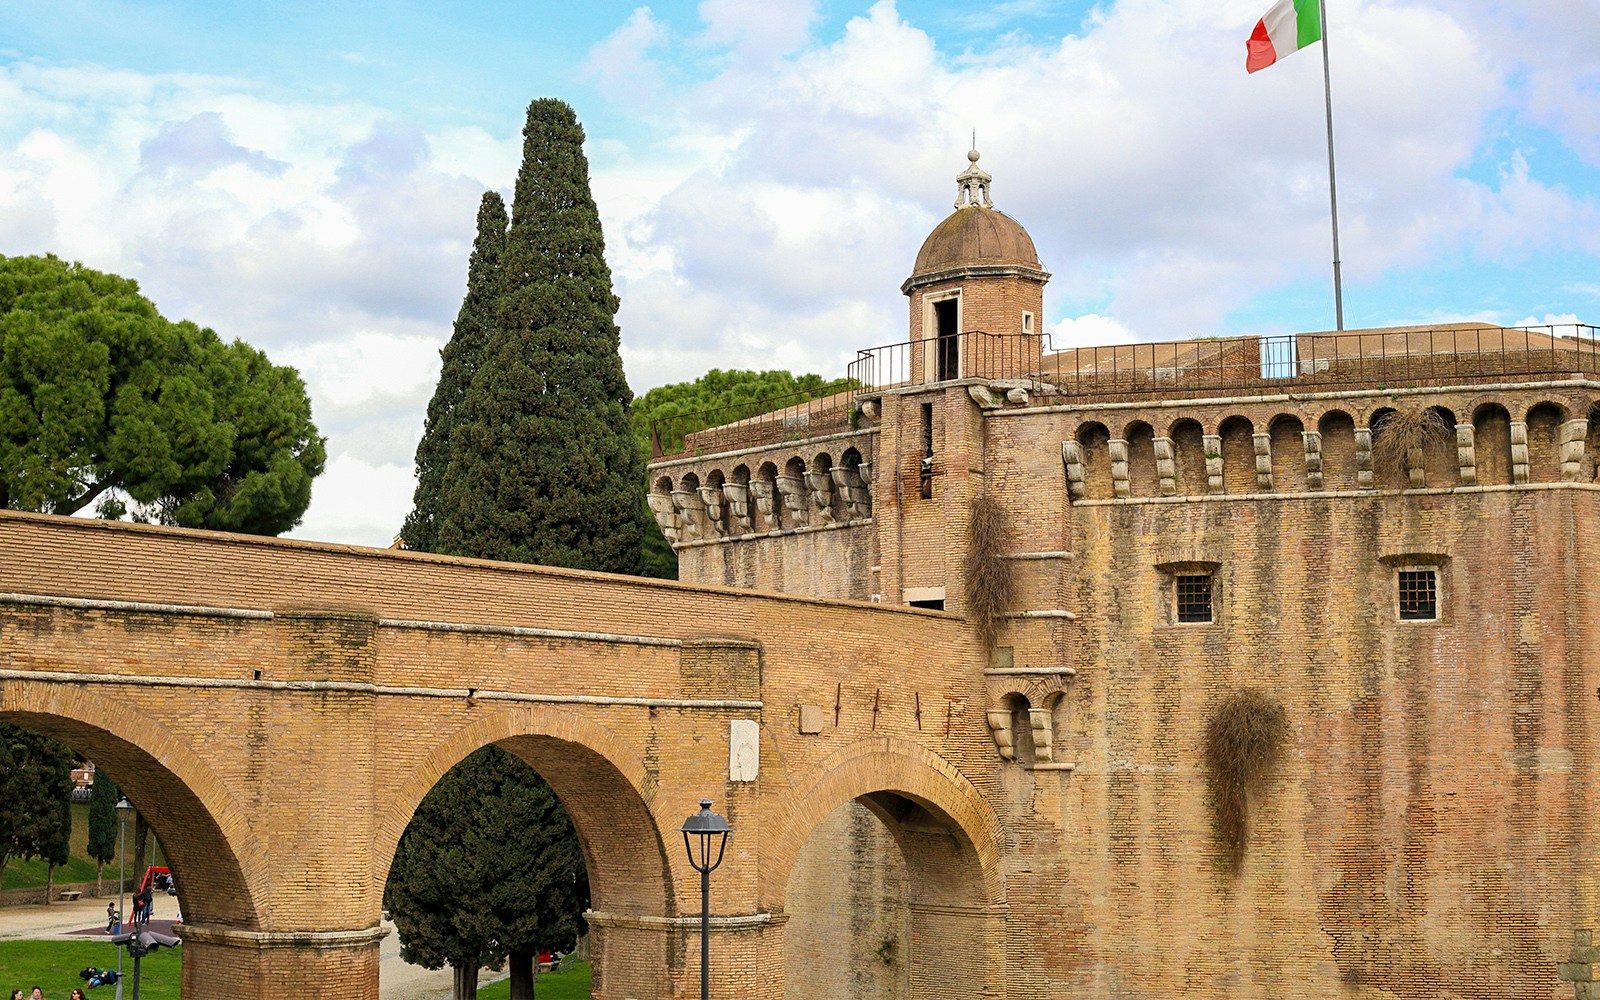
(975, 236)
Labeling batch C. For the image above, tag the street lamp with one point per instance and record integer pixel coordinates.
(704, 827)
(124, 807)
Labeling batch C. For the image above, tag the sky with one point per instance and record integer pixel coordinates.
(305, 176)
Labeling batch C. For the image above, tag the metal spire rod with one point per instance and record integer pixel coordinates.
(1333, 188)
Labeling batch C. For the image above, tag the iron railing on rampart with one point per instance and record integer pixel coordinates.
(1391, 357)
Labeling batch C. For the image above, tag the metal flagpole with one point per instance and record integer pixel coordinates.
(1333, 188)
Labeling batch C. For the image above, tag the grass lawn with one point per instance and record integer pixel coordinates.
(570, 985)
(54, 965)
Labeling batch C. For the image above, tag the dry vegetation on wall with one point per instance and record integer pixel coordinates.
(1400, 432)
(985, 571)
(1244, 741)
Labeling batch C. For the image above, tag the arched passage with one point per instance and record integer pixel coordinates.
(602, 786)
(200, 826)
(926, 923)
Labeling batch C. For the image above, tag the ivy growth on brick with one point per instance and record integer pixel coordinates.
(985, 570)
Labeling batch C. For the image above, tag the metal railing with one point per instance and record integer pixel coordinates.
(799, 414)
(1397, 357)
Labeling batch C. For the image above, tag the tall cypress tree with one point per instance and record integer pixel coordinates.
(543, 466)
(461, 358)
(529, 457)
(103, 795)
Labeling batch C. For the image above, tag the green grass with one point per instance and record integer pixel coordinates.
(570, 985)
(54, 965)
(31, 874)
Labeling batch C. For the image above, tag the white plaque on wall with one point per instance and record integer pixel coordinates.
(744, 749)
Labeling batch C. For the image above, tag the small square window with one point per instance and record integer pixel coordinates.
(1419, 595)
(1194, 598)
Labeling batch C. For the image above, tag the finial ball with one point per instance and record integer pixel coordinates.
(972, 156)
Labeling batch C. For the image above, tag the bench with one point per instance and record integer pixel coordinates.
(69, 895)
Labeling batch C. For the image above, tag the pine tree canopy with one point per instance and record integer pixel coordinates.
(35, 794)
(101, 398)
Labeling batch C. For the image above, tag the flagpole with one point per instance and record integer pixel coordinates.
(1333, 188)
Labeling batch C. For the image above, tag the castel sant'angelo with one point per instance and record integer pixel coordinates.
(1290, 645)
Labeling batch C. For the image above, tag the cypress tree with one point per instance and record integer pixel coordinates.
(528, 456)
(461, 358)
(543, 466)
(103, 795)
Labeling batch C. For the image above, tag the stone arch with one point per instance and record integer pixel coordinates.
(1491, 433)
(819, 484)
(1288, 453)
(1544, 442)
(202, 827)
(711, 495)
(1590, 470)
(1238, 455)
(1338, 430)
(1388, 468)
(1094, 440)
(857, 475)
(949, 839)
(1441, 462)
(601, 782)
(1142, 478)
(1189, 455)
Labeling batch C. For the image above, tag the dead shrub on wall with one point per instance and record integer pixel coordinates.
(985, 571)
(1244, 742)
(1399, 433)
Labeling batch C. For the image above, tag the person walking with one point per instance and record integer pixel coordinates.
(111, 918)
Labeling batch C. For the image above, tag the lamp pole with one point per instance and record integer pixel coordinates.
(124, 807)
(705, 826)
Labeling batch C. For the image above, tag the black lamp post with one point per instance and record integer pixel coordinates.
(124, 807)
(699, 832)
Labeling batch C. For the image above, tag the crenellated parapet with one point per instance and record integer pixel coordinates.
(823, 482)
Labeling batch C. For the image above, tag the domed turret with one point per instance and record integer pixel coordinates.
(975, 233)
(977, 274)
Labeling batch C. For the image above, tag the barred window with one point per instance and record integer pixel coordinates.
(1194, 598)
(1419, 594)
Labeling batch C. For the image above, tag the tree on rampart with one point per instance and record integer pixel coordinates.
(103, 401)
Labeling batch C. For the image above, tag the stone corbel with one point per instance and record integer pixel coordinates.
(793, 491)
(1212, 443)
(1519, 452)
(690, 508)
(985, 398)
(1121, 486)
(821, 486)
(1000, 729)
(1263, 443)
(1364, 478)
(666, 514)
(761, 491)
(711, 496)
(1166, 466)
(1574, 437)
(737, 496)
(852, 490)
(1072, 461)
(1467, 454)
(1313, 443)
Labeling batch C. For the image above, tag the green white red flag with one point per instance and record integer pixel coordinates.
(1289, 26)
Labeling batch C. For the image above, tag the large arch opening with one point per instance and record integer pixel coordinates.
(893, 893)
(623, 858)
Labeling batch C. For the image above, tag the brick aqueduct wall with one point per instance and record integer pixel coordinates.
(278, 709)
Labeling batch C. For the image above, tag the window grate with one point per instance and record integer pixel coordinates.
(1194, 598)
(1419, 595)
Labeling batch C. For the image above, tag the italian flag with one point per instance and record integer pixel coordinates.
(1289, 25)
